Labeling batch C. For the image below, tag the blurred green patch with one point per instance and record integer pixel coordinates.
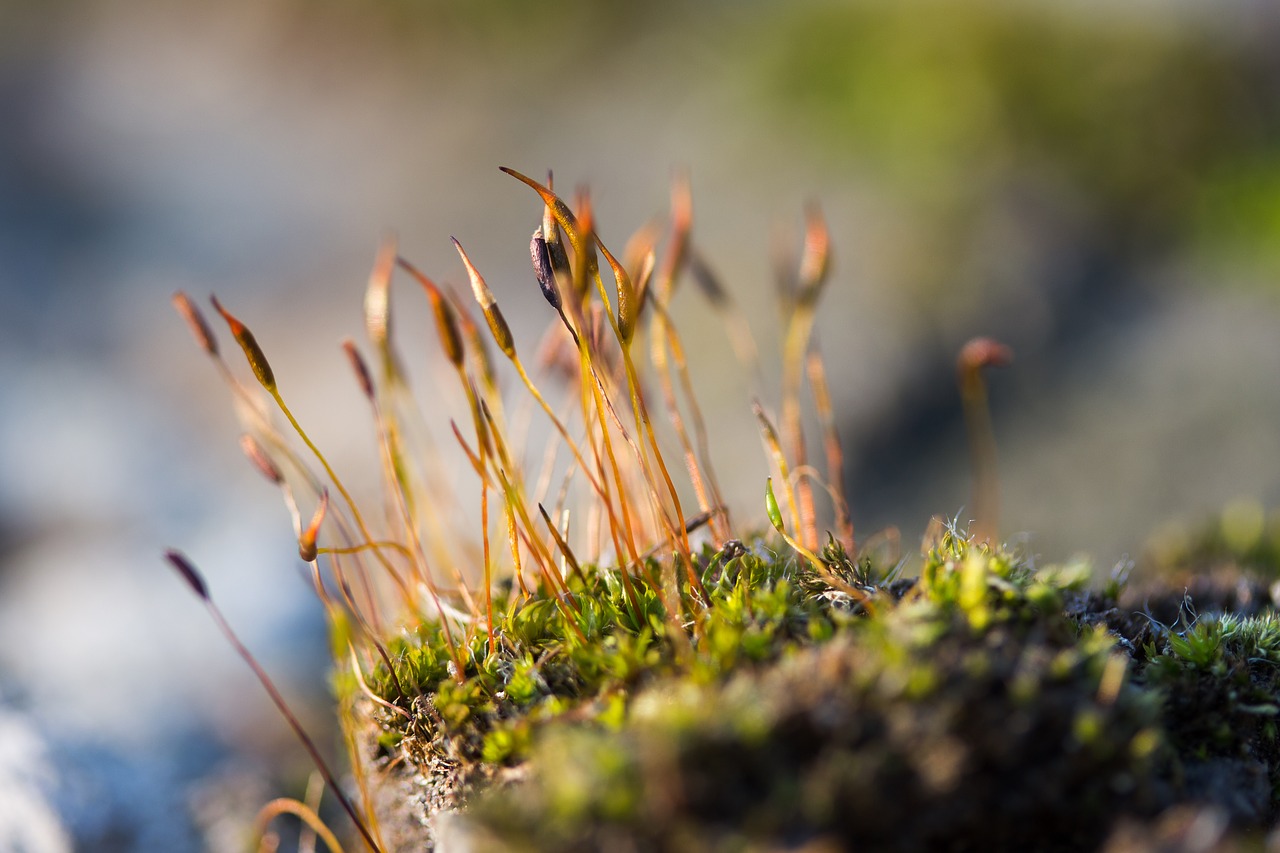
(1143, 128)
(1238, 216)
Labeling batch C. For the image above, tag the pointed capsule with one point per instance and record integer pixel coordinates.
(446, 319)
(196, 322)
(766, 426)
(360, 368)
(497, 323)
(551, 233)
(471, 334)
(543, 270)
(377, 297)
(627, 303)
(678, 245)
(447, 327)
(559, 210)
(569, 558)
(645, 276)
(771, 506)
(705, 278)
(815, 259)
(479, 412)
(585, 249)
(189, 573)
(258, 456)
(253, 352)
(307, 549)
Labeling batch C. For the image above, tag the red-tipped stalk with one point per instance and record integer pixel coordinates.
(307, 541)
(192, 576)
(666, 337)
(812, 275)
(377, 309)
(976, 355)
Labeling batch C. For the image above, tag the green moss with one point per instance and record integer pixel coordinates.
(912, 728)
(550, 659)
(1220, 679)
(798, 716)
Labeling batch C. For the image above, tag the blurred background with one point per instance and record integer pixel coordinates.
(1098, 187)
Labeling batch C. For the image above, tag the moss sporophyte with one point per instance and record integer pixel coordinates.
(610, 663)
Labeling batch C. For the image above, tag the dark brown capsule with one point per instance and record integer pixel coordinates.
(543, 270)
(189, 573)
(705, 278)
(446, 320)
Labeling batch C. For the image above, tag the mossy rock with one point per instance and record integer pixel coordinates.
(983, 705)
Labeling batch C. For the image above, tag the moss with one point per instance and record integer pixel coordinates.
(960, 714)
(550, 661)
(985, 704)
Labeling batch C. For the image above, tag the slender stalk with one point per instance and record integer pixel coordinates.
(666, 337)
(193, 578)
(302, 811)
(834, 449)
(623, 329)
(488, 561)
(976, 355)
(794, 347)
(774, 446)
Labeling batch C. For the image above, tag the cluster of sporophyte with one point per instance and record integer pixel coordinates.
(587, 576)
(611, 662)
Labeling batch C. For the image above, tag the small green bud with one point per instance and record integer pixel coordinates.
(771, 506)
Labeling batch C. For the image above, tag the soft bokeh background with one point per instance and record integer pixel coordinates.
(1098, 187)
